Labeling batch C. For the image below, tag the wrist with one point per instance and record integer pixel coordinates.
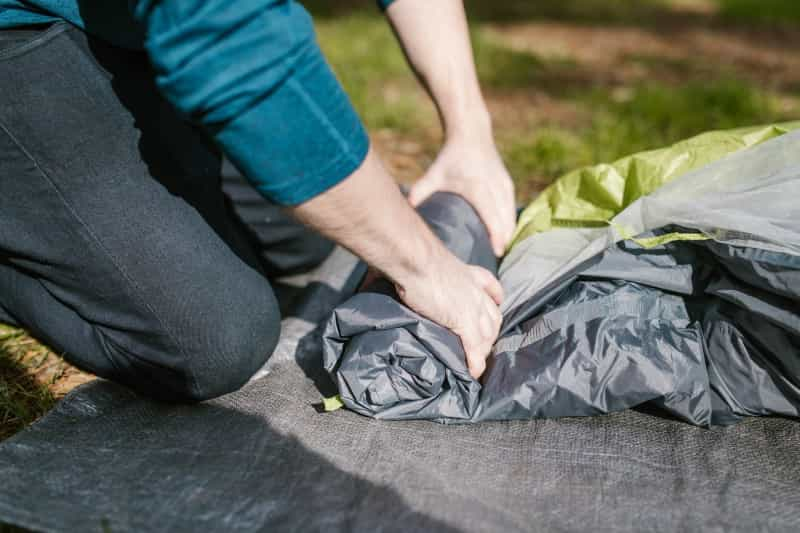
(473, 127)
(421, 266)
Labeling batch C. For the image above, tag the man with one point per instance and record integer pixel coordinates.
(121, 247)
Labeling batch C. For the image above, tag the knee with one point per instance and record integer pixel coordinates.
(196, 352)
(228, 342)
(236, 347)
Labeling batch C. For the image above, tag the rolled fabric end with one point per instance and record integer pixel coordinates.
(390, 362)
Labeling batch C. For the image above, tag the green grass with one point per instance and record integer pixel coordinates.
(538, 156)
(656, 115)
(22, 399)
(500, 67)
(635, 12)
(585, 11)
(649, 116)
(606, 11)
(371, 67)
(761, 11)
(365, 55)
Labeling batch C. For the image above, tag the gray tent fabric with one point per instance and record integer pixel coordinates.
(390, 362)
(672, 325)
(704, 327)
(264, 459)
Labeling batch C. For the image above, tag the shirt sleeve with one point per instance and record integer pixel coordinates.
(252, 74)
(385, 3)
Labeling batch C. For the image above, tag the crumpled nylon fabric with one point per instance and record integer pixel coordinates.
(390, 362)
(698, 321)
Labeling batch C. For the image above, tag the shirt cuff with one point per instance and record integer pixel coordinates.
(302, 139)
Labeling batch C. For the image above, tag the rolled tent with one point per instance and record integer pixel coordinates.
(390, 362)
(685, 300)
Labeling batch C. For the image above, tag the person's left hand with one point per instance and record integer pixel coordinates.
(474, 170)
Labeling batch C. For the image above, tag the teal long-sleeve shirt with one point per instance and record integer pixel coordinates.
(249, 71)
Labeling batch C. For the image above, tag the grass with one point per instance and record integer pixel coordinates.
(779, 12)
(373, 69)
(655, 115)
(23, 398)
(616, 118)
(636, 12)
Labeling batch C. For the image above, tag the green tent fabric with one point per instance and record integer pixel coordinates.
(592, 196)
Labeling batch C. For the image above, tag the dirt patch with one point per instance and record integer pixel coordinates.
(521, 109)
(624, 54)
(406, 156)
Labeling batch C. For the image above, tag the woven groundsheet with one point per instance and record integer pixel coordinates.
(264, 459)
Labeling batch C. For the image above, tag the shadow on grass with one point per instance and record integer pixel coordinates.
(606, 11)
(659, 13)
(22, 398)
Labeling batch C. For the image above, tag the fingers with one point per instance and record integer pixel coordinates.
(498, 215)
(478, 342)
(480, 337)
(489, 283)
(506, 220)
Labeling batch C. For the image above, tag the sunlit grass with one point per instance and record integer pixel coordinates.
(22, 398)
(617, 120)
(646, 117)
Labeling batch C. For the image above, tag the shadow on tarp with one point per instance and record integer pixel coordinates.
(157, 465)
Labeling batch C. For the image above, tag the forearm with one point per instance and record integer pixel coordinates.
(368, 214)
(435, 38)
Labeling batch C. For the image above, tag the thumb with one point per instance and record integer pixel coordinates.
(423, 188)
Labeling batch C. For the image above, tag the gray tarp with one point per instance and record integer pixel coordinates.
(264, 459)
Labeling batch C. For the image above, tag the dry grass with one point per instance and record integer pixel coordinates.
(32, 379)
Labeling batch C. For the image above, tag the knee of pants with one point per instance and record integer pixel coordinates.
(214, 346)
(239, 344)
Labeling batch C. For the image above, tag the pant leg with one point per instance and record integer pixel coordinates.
(284, 245)
(6, 318)
(115, 244)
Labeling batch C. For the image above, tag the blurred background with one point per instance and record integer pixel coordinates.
(569, 83)
(576, 82)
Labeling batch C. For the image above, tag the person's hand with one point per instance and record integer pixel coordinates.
(473, 169)
(462, 298)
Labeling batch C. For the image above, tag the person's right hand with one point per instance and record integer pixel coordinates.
(368, 214)
(462, 298)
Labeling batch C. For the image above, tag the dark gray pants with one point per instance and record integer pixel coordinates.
(124, 242)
